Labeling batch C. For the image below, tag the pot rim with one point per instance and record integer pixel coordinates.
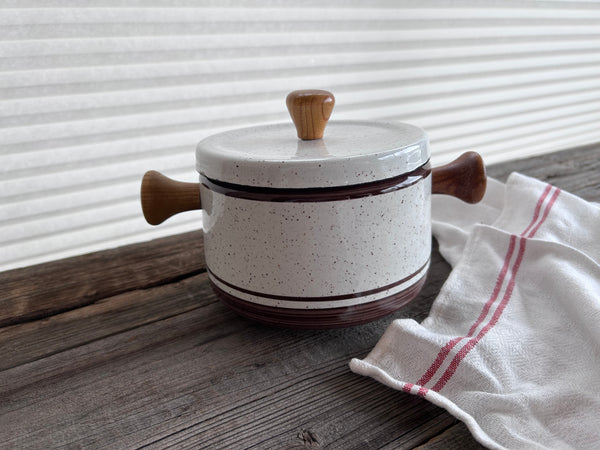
(320, 194)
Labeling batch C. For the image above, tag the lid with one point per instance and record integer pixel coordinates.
(351, 152)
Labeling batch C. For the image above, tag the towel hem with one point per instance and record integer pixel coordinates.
(364, 368)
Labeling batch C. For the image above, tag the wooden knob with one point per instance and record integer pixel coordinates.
(163, 197)
(464, 178)
(310, 111)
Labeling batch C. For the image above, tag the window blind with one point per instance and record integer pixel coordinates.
(93, 94)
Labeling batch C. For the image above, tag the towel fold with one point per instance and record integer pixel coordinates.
(512, 343)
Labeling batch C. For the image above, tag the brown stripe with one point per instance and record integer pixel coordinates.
(320, 299)
(321, 318)
(326, 194)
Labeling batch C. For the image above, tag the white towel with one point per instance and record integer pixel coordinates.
(512, 343)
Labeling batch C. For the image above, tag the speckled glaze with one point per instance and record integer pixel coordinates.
(352, 152)
(322, 256)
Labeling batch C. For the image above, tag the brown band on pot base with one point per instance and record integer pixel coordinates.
(326, 194)
(328, 298)
(321, 318)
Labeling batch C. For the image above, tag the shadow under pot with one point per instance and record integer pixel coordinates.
(312, 231)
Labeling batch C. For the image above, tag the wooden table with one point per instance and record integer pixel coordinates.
(129, 347)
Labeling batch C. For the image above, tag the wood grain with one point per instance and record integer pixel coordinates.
(453, 436)
(576, 171)
(162, 197)
(464, 178)
(29, 341)
(310, 110)
(130, 348)
(45, 289)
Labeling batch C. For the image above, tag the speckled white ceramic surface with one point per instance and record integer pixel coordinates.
(318, 249)
(351, 152)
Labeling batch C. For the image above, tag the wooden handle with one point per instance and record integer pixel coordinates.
(163, 197)
(310, 111)
(463, 178)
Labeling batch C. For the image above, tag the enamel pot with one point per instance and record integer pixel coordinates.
(307, 231)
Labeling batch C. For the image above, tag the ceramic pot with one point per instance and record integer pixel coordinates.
(313, 231)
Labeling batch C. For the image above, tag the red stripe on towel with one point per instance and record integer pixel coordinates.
(499, 282)
(438, 361)
(538, 207)
(441, 357)
(509, 253)
(507, 295)
(546, 212)
(473, 341)
(446, 349)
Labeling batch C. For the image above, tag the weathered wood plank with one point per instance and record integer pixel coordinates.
(424, 432)
(29, 341)
(229, 384)
(207, 323)
(387, 415)
(576, 171)
(457, 436)
(96, 394)
(41, 290)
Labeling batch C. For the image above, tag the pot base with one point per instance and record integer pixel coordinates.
(325, 318)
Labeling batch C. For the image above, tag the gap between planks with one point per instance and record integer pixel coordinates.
(40, 291)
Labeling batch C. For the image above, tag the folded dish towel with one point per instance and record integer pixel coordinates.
(512, 343)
